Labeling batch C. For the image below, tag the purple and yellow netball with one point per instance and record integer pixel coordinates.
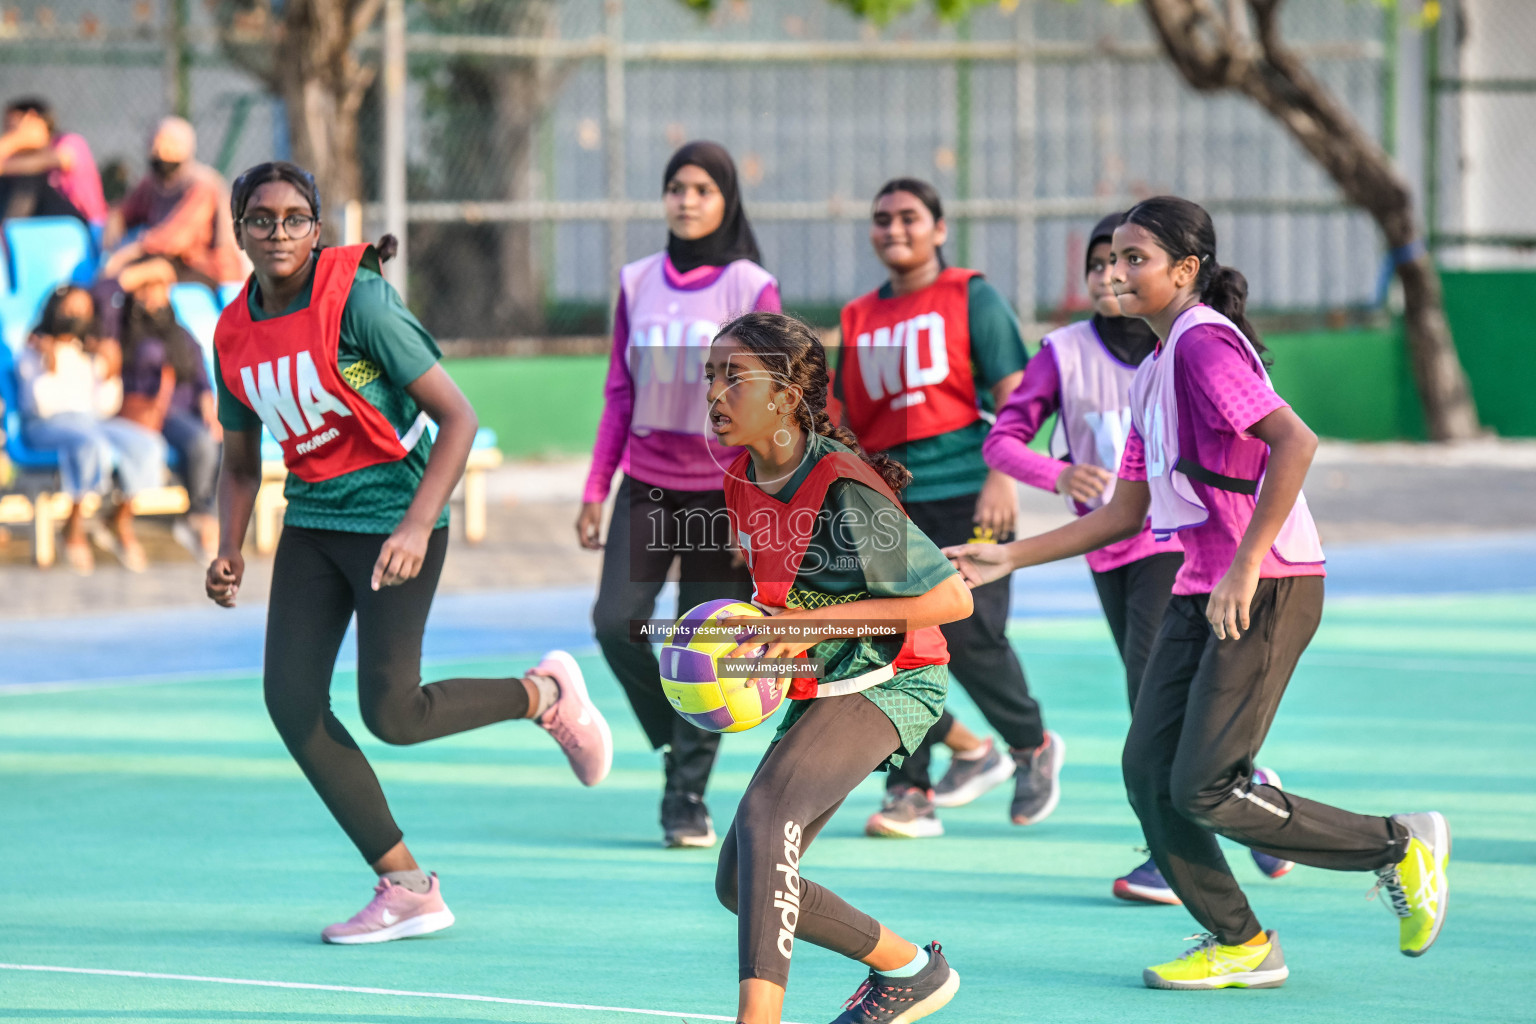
(692, 682)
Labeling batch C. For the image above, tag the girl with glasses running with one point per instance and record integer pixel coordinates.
(320, 350)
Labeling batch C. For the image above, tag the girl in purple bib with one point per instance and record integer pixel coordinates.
(1083, 375)
(671, 503)
(1215, 455)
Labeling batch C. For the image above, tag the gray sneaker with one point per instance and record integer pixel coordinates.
(1037, 783)
(907, 813)
(968, 779)
(882, 1000)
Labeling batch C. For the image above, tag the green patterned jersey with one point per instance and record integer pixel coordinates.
(382, 349)
(850, 568)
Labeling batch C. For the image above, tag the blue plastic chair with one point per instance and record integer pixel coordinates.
(44, 253)
(26, 459)
(198, 311)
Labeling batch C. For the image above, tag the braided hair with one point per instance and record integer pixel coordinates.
(789, 339)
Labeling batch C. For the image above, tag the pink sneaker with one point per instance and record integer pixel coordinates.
(574, 720)
(394, 913)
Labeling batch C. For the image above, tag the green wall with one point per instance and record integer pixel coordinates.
(1490, 314)
(1350, 384)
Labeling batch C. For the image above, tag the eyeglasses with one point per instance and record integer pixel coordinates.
(295, 225)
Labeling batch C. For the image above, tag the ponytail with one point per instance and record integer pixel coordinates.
(895, 475)
(1226, 291)
(774, 334)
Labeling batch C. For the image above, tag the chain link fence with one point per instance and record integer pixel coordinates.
(538, 131)
(1482, 78)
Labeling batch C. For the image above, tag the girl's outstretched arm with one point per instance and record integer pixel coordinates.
(1123, 517)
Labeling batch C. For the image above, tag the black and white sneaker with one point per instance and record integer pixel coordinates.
(968, 779)
(685, 821)
(906, 813)
(882, 1000)
(1037, 782)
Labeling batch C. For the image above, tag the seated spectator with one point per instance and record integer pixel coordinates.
(166, 389)
(183, 207)
(70, 387)
(46, 173)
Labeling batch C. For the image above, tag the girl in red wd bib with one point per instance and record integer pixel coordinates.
(320, 352)
(853, 584)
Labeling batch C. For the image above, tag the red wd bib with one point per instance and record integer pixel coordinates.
(906, 363)
(285, 370)
(776, 536)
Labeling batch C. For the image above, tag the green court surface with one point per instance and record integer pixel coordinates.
(162, 829)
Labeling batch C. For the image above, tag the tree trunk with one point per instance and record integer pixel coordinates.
(1215, 51)
(523, 91)
(305, 57)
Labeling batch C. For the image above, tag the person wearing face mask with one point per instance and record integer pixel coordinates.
(654, 431)
(183, 208)
(70, 387)
(166, 389)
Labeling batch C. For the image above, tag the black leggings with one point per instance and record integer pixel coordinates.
(651, 528)
(1204, 709)
(1134, 597)
(800, 783)
(319, 578)
(980, 657)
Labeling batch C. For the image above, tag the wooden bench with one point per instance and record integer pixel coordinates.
(270, 501)
(49, 508)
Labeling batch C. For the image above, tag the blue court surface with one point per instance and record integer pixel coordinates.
(165, 860)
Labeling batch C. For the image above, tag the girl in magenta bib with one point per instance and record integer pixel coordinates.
(1218, 458)
(319, 351)
(653, 430)
(1083, 375)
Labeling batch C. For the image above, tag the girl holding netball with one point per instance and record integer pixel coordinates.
(828, 544)
(1083, 374)
(922, 357)
(320, 350)
(670, 305)
(1217, 456)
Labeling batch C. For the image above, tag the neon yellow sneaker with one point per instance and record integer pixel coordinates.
(1212, 965)
(1416, 886)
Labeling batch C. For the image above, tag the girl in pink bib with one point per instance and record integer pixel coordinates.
(655, 433)
(1217, 457)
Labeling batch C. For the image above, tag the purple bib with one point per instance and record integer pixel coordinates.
(1095, 415)
(1155, 414)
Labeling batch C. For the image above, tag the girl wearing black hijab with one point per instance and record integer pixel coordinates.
(670, 502)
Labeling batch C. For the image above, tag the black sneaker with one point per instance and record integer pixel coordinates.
(882, 1000)
(966, 780)
(685, 821)
(1037, 782)
(906, 813)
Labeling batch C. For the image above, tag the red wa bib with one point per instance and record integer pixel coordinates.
(775, 537)
(906, 363)
(285, 370)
